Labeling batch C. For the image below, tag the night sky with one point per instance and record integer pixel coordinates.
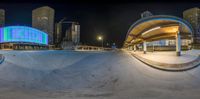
(112, 20)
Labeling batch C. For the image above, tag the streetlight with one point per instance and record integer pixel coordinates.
(100, 38)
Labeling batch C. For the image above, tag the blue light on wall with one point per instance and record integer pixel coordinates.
(22, 34)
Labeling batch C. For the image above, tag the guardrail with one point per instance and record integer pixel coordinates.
(90, 48)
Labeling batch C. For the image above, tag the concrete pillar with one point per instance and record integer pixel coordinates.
(153, 47)
(135, 48)
(178, 44)
(131, 48)
(145, 47)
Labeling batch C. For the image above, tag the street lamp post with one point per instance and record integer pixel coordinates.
(102, 43)
(100, 38)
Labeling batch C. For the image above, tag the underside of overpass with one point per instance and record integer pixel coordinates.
(156, 28)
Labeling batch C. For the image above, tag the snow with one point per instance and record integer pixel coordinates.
(90, 75)
(169, 57)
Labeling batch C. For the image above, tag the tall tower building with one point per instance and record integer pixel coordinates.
(43, 19)
(193, 17)
(2, 17)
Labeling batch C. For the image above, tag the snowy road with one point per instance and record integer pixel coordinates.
(90, 75)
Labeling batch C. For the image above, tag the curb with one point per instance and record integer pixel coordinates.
(169, 67)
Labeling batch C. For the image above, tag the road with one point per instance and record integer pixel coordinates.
(90, 75)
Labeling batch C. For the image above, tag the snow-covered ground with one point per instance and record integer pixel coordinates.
(170, 57)
(90, 75)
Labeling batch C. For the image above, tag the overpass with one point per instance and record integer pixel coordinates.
(156, 28)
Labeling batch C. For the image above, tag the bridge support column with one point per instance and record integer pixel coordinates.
(131, 48)
(135, 48)
(145, 47)
(178, 44)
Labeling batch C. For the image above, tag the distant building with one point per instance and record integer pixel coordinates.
(146, 14)
(43, 19)
(193, 17)
(58, 33)
(75, 33)
(68, 34)
(2, 17)
(72, 36)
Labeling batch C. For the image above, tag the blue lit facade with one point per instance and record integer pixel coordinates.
(22, 34)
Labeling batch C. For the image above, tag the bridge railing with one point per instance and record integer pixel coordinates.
(90, 48)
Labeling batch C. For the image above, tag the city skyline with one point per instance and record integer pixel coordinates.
(101, 49)
(91, 21)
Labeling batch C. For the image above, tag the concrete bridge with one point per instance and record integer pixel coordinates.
(158, 27)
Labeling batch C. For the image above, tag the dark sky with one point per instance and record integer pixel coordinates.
(111, 19)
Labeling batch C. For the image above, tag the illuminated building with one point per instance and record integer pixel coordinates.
(43, 19)
(22, 36)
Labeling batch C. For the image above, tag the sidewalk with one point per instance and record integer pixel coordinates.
(169, 60)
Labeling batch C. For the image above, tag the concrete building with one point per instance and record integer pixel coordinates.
(72, 36)
(43, 19)
(146, 14)
(193, 17)
(58, 33)
(2, 17)
(68, 34)
(75, 33)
